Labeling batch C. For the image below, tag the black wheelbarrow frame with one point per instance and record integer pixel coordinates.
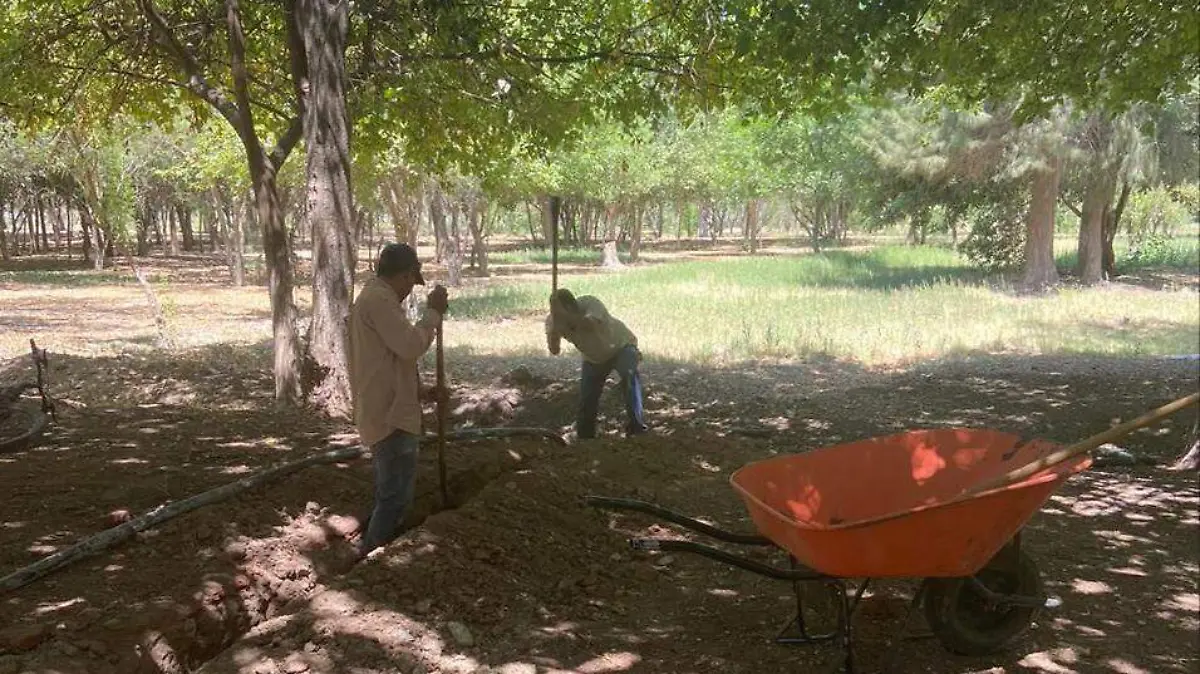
(949, 602)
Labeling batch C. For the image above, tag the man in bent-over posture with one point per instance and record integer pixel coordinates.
(606, 344)
(384, 349)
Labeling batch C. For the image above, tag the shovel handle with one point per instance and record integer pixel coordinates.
(1086, 445)
(441, 415)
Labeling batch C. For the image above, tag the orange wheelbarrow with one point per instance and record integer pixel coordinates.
(945, 506)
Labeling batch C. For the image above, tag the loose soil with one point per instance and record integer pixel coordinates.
(515, 574)
(520, 576)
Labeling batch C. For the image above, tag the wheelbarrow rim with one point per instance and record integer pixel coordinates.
(1049, 474)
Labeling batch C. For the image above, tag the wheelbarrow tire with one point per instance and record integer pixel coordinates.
(962, 619)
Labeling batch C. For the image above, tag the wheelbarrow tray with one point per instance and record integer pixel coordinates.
(899, 505)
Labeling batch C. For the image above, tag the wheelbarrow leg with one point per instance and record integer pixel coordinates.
(802, 636)
(849, 606)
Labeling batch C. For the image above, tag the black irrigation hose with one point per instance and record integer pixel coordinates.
(800, 573)
(692, 523)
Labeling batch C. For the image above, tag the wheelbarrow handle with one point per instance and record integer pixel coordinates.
(1086, 445)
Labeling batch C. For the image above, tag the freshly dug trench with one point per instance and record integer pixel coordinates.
(259, 579)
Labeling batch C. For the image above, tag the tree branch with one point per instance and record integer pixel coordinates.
(196, 83)
(241, 77)
(287, 142)
(1078, 213)
(299, 66)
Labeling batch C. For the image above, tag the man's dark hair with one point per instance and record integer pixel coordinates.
(397, 258)
(565, 299)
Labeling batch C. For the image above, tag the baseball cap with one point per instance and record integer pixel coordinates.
(396, 258)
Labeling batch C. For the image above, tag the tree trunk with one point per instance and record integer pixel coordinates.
(85, 226)
(3, 234)
(173, 231)
(1039, 246)
(281, 277)
(610, 259)
(437, 217)
(1112, 222)
(185, 224)
(635, 237)
(42, 224)
(454, 249)
(547, 218)
(705, 228)
(752, 224)
(67, 225)
(1097, 202)
(323, 26)
(477, 221)
(143, 231)
(156, 223)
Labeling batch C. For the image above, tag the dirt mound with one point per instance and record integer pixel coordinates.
(512, 576)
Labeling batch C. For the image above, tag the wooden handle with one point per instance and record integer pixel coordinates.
(555, 207)
(1086, 445)
(441, 415)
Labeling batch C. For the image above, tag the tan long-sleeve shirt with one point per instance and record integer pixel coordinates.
(384, 350)
(597, 335)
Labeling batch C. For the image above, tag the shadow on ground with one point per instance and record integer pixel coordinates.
(520, 577)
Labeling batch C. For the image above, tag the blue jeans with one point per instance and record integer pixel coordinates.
(592, 378)
(395, 459)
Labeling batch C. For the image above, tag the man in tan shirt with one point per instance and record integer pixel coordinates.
(606, 344)
(384, 349)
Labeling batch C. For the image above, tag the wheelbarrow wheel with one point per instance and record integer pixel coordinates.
(968, 623)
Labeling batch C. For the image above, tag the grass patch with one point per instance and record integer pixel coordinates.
(66, 279)
(538, 255)
(883, 306)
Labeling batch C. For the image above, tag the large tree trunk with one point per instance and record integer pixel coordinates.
(281, 278)
(323, 27)
(1096, 202)
(1039, 246)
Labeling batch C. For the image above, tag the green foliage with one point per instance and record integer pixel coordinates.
(1154, 252)
(996, 238)
(1106, 55)
(1156, 212)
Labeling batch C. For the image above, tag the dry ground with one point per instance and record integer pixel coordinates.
(520, 577)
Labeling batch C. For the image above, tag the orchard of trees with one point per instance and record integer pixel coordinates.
(128, 126)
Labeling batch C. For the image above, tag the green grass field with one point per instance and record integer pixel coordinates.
(889, 305)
